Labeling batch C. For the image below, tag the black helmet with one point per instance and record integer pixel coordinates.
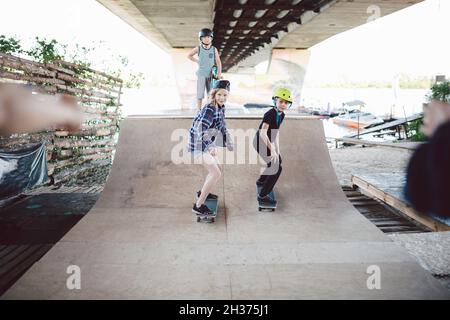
(222, 84)
(205, 32)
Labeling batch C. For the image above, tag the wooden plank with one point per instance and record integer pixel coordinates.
(350, 194)
(392, 223)
(99, 110)
(7, 250)
(359, 198)
(375, 215)
(22, 60)
(365, 203)
(400, 205)
(60, 69)
(98, 189)
(19, 267)
(89, 93)
(64, 154)
(406, 146)
(98, 132)
(387, 125)
(68, 143)
(22, 77)
(398, 229)
(383, 219)
(13, 254)
(82, 159)
(27, 67)
(87, 83)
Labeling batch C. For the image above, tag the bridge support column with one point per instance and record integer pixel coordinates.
(185, 77)
(287, 67)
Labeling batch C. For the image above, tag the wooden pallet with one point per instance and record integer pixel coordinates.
(385, 218)
(387, 196)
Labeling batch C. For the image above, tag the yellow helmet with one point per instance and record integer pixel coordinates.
(284, 94)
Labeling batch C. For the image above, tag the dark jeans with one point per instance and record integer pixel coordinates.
(271, 174)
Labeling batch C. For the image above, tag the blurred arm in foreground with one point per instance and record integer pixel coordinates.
(428, 175)
(24, 112)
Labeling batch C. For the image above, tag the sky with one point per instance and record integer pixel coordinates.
(413, 40)
(85, 22)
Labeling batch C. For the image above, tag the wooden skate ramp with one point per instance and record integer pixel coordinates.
(141, 240)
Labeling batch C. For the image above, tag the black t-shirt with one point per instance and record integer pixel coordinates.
(270, 117)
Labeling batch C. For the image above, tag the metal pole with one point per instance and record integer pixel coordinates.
(358, 119)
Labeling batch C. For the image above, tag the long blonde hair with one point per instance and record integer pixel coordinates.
(212, 97)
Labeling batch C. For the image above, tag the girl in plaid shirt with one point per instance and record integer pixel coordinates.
(207, 129)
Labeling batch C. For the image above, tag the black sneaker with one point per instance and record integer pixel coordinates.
(202, 210)
(211, 196)
(266, 200)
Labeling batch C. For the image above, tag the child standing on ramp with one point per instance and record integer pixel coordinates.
(209, 124)
(209, 64)
(267, 147)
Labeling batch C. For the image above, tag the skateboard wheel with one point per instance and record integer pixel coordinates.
(259, 209)
(198, 219)
(212, 220)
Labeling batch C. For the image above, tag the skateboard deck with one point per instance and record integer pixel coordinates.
(214, 74)
(262, 206)
(213, 205)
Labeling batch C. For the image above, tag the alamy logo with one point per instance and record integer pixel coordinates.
(74, 280)
(374, 280)
(375, 11)
(244, 148)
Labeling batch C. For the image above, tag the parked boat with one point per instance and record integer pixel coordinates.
(356, 118)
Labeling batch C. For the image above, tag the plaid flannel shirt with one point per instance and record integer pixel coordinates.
(208, 124)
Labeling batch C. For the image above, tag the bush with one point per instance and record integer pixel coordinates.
(440, 91)
(10, 45)
(47, 51)
(414, 131)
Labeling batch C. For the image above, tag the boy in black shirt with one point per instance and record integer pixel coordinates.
(266, 146)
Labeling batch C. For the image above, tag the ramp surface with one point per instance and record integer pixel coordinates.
(141, 240)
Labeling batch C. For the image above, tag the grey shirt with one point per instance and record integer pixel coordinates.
(206, 61)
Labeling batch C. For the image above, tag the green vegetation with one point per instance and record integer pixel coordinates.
(440, 92)
(10, 45)
(414, 131)
(47, 51)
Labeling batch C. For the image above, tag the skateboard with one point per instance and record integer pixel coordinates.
(215, 72)
(213, 205)
(214, 75)
(262, 206)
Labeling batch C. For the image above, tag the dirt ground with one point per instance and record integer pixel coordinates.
(360, 160)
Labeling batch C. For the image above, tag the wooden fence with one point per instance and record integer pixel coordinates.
(99, 95)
